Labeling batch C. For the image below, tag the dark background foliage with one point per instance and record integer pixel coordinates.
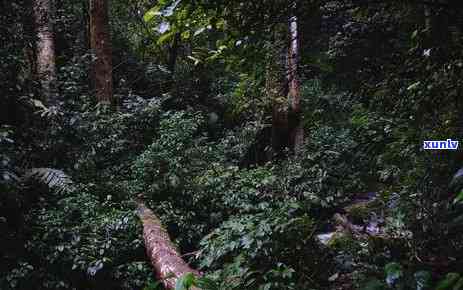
(190, 138)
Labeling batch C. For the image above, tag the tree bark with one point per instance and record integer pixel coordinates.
(173, 53)
(277, 89)
(166, 260)
(294, 94)
(283, 88)
(100, 43)
(45, 49)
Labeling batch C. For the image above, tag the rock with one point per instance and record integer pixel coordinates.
(325, 238)
(333, 277)
(337, 239)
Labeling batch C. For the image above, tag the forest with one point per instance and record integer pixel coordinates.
(231, 145)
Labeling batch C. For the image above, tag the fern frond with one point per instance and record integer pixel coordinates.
(54, 178)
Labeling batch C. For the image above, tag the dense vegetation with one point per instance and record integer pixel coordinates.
(191, 130)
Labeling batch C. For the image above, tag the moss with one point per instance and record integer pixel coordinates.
(358, 213)
(342, 241)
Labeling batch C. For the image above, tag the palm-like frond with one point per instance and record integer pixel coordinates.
(54, 178)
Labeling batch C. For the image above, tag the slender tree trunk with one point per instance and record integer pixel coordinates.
(100, 43)
(173, 53)
(284, 90)
(45, 49)
(172, 61)
(277, 90)
(165, 258)
(282, 85)
(294, 94)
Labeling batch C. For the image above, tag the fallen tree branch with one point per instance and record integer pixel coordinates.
(166, 260)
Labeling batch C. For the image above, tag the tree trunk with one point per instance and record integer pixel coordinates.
(172, 60)
(294, 95)
(282, 86)
(45, 49)
(277, 90)
(100, 43)
(173, 53)
(165, 258)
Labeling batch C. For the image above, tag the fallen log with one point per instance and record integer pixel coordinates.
(165, 258)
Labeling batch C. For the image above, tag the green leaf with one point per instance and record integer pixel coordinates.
(449, 280)
(413, 86)
(185, 35)
(459, 197)
(185, 282)
(166, 37)
(196, 60)
(150, 14)
(393, 273)
(458, 285)
(206, 283)
(169, 11)
(38, 104)
(199, 31)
